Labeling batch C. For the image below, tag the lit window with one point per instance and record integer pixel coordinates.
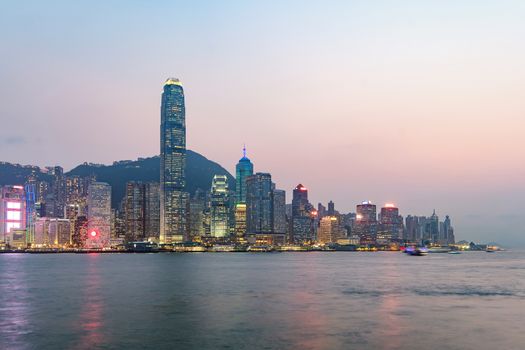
(14, 205)
(13, 215)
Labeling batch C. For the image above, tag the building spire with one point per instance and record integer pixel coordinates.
(244, 151)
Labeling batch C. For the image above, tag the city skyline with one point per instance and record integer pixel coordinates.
(422, 128)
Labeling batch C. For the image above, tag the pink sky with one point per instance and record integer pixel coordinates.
(418, 104)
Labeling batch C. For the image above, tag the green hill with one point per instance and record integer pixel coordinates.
(199, 173)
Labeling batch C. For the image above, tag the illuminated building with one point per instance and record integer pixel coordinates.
(79, 236)
(259, 210)
(12, 211)
(197, 216)
(243, 170)
(42, 233)
(279, 211)
(173, 198)
(59, 232)
(141, 211)
(56, 198)
(219, 212)
(134, 211)
(302, 221)
(366, 223)
(390, 224)
(240, 220)
(99, 215)
(329, 230)
(152, 210)
(52, 232)
(16, 238)
(31, 213)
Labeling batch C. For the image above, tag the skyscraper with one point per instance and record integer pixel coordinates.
(302, 220)
(152, 210)
(279, 211)
(134, 211)
(390, 224)
(243, 169)
(99, 215)
(197, 215)
(330, 230)
(448, 232)
(240, 220)
(366, 222)
(219, 212)
(173, 198)
(259, 204)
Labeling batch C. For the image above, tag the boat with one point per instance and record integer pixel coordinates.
(438, 250)
(416, 251)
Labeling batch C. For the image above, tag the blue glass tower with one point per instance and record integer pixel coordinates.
(173, 197)
(243, 170)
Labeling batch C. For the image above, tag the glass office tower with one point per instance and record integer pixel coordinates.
(173, 197)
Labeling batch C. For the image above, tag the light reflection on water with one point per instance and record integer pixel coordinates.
(90, 320)
(274, 301)
(14, 303)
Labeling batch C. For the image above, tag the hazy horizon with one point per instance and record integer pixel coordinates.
(419, 104)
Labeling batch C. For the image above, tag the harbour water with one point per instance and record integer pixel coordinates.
(317, 300)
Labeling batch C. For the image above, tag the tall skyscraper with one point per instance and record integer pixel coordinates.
(390, 224)
(279, 211)
(197, 216)
(152, 210)
(432, 228)
(240, 220)
(259, 210)
(447, 237)
(366, 223)
(134, 211)
(99, 215)
(243, 169)
(219, 211)
(173, 198)
(302, 220)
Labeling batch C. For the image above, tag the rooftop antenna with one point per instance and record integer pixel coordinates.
(244, 150)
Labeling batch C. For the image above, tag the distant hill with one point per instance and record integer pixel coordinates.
(199, 173)
(16, 174)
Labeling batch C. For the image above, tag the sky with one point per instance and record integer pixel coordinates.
(419, 103)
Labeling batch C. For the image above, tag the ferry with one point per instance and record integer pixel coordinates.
(438, 250)
(259, 248)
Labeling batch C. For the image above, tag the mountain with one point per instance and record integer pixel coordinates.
(16, 174)
(199, 173)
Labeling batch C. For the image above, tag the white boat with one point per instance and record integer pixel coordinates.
(438, 250)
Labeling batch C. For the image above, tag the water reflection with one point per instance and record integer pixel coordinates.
(309, 323)
(390, 324)
(91, 314)
(14, 302)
